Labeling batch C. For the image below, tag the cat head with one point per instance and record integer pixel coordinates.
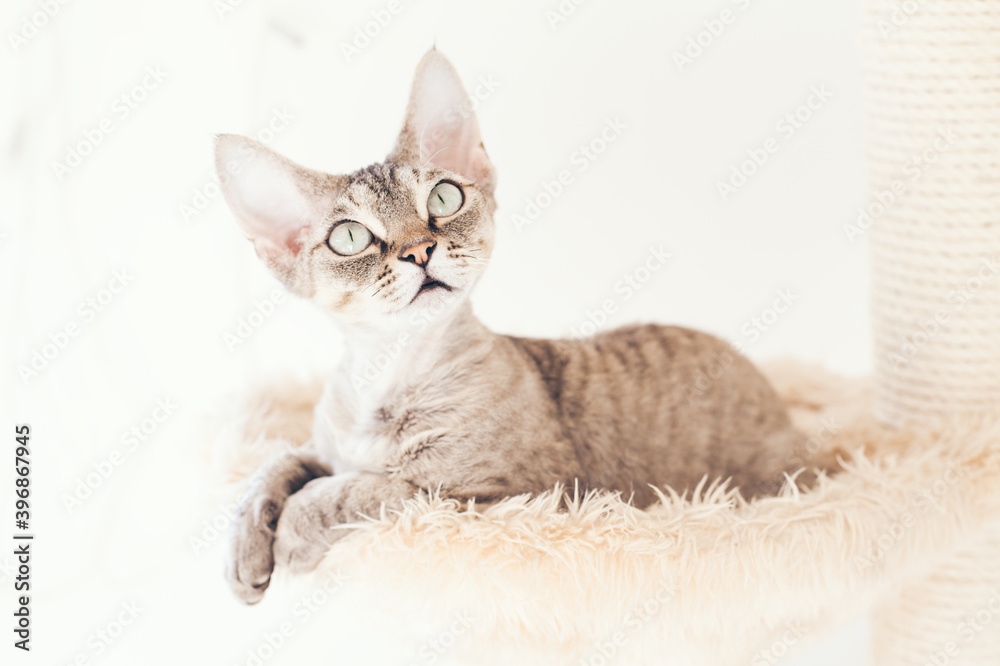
(388, 241)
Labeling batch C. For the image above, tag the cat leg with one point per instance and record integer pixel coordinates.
(313, 517)
(250, 559)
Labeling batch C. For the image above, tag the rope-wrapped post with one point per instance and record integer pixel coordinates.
(933, 218)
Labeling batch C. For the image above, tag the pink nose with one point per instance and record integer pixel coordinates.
(419, 253)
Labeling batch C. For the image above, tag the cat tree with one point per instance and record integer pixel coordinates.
(934, 106)
(909, 530)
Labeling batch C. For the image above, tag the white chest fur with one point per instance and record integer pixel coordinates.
(344, 435)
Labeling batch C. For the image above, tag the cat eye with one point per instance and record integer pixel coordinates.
(349, 238)
(445, 199)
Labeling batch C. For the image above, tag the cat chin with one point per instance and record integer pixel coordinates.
(430, 307)
(433, 303)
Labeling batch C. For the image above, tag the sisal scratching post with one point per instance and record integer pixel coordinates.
(950, 617)
(934, 163)
(933, 77)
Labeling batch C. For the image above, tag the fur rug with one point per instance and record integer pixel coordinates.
(709, 579)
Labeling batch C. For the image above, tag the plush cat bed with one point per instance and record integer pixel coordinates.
(591, 580)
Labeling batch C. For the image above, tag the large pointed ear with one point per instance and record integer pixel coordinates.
(276, 202)
(440, 127)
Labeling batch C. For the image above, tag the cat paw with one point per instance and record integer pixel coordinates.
(302, 538)
(250, 560)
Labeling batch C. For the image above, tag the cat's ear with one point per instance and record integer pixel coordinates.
(275, 201)
(440, 127)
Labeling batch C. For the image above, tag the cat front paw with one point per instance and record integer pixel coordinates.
(304, 534)
(250, 560)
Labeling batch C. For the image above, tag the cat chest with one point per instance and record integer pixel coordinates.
(380, 439)
(351, 447)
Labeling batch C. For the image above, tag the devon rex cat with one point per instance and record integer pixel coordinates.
(392, 252)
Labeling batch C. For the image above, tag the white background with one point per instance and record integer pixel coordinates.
(163, 336)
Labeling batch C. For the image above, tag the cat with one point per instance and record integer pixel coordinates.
(426, 396)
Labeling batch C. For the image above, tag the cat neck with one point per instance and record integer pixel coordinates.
(375, 362)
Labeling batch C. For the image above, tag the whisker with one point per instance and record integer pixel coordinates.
(378, 284)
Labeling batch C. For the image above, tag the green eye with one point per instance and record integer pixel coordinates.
(445, 200)
(349, 238)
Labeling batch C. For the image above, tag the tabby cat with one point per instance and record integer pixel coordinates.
(426, 396)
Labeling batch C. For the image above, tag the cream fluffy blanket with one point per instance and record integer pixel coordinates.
(698, 580)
